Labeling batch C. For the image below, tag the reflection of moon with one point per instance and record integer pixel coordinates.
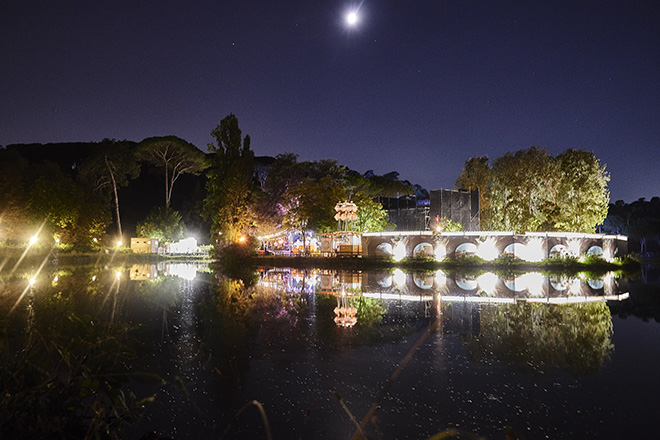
(352, 18)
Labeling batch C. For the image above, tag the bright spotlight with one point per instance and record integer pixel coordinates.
(32, 281)
(399, 252)
(33, 239)
(119, 243)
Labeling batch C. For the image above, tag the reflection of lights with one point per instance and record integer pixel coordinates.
(118, 275)
(559, 285)
(467, 284)
(488, 250)
(399, 277)
(596, 284)
(575, 286)
(32, 281)
(440, 252)
(185, 271)
(33, 239)
(399, 252)
(440, 279)
(385, 281)
(487, 282)
(423, 281)
(533, 282)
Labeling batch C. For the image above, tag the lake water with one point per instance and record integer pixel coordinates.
(404, 355)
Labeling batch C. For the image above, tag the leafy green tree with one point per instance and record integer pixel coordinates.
(371, 217)
(448, 225)
(112, 165)
(522, 185)
(529, 190)
(13, 202)
(162, 223)
(175, 155)
(582, 192)
(229, 186)
(311, 204)
(69, 210)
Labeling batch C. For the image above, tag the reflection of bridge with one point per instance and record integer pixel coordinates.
(531, 247)
(490, 288)
(531, 287)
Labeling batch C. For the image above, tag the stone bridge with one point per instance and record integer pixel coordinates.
(532, 246)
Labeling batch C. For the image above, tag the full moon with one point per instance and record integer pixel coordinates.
(352, 18)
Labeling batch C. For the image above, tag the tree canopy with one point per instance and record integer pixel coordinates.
(229, 186)
(175, 155)
(113, 164)
(530, 190)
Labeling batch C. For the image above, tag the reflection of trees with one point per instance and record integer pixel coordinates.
(64, 363)
(574, 337)
(236, 317)
(370, 311)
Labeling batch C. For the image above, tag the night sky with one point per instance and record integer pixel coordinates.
(415, 86)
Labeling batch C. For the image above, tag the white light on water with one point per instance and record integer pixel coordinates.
(185, 271)
(487, 282)
(399, 277)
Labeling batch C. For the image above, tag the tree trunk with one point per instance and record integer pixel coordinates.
(114, 189)
(167, 193)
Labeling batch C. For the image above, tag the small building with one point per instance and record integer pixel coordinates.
(141, 245)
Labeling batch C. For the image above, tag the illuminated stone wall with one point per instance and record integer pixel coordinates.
(531, 247)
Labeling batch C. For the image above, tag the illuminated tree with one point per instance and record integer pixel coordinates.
(529, 190)
(162, 223)
(229, 186)
(175, 155)
(521, 188)
(68, 209)
(13, 203)
(582, 193)
(371, 217)
(311, 205)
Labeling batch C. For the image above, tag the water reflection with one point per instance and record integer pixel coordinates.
(201, 344)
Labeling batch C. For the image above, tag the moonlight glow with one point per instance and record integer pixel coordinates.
(352, 18)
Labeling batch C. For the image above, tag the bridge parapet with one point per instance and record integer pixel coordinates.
(532, 246)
